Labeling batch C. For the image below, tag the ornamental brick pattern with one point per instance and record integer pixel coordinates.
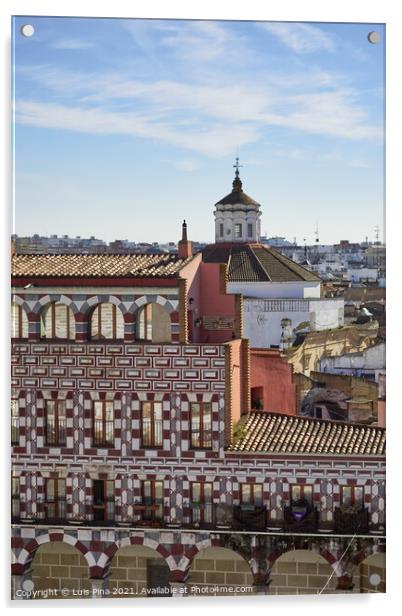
(178, 549)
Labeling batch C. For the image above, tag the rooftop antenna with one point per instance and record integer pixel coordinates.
(317, 239)
(377, 233)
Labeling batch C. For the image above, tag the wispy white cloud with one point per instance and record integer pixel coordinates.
(187, 165)
(198, 108)
(301, 38)
(69, 43)
(215, 141)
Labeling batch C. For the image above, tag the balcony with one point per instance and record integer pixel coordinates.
(300, 517)
(55, 510)
(103, 512)
(208, 516)
(249, 518)
(351, 520)
(150, 513)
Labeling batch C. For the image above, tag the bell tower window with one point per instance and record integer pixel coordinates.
(249, 230)
(221, 230)
(238, 230)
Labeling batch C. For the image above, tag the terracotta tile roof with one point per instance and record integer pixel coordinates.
(256, 263)
(101, 265)
(276, 433)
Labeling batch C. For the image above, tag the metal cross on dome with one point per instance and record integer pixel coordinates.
(236, 166)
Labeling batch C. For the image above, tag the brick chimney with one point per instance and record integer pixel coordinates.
(185, 247)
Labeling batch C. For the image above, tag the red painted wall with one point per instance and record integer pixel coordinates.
(270, 371)
(203, 288)
(214, 303)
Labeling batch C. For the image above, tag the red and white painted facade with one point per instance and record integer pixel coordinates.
(200, 363)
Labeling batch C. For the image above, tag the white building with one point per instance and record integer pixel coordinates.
(370, 363)
(274, 286)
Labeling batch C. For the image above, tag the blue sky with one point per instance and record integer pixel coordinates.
(125, 127)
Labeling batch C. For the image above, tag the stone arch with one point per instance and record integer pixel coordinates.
(54, 298)
(302, 571)
(55, 561)
(369, 574)
(154, 323)
(93, 301)
(111, 324)
(57, 318)
(27, 553)
(222, 566)
(140, 564)
(58, 565)
(154, 299)
(106, 557)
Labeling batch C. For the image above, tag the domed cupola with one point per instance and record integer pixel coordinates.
(237, 216)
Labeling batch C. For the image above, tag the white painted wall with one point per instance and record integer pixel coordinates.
(274, 290)
(369, 361)
(262, 318)
(364, 273)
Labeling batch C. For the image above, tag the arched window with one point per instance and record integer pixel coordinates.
(107, 322)
(19, 322)
(153, 324)
(57, 321)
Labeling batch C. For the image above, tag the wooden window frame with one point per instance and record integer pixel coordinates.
(107, 505)
(202, 519)
(153, 515)
(302, 487)
(252, 502)
(103, 442)
(353, 500)
(57, 442)
(150, 442)
(60, 513)
(203, 431)
(15, 421)
(15, 497)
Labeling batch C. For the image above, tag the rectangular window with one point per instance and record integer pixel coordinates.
(251, 495)
(15, 421)
(221, 230)
(151, 424)
(103, 500)
(201, 503)
(302, 494)
(55, 422)
(249, 230)
(238, 230)
(55, 503)
(201, 425)
(15, 498)
(352, 496)
(152, 499)
(103, 423)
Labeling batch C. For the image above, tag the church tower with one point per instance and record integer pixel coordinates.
(237, 216)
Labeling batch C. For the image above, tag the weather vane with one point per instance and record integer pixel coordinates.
(236, 165)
